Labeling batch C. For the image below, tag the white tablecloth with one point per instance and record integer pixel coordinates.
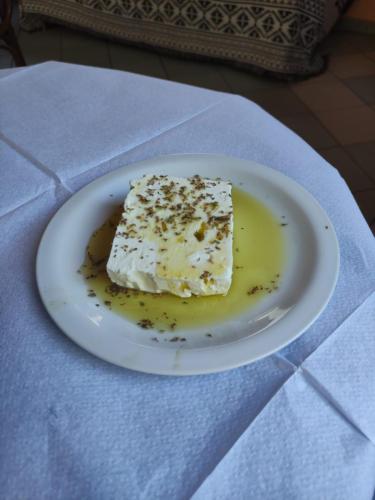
(298, 424)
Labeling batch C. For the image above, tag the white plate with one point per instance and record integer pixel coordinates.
(307, 283)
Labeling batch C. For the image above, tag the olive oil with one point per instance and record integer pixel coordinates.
(258, 255)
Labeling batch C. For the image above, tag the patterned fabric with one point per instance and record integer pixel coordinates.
(277, 36)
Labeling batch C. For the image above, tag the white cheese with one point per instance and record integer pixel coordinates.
(175, 236)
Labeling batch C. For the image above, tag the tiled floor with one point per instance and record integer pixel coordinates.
(334, 112)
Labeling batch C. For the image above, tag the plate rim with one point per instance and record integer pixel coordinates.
(175, 371)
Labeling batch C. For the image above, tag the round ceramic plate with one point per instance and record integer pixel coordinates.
(308, 280)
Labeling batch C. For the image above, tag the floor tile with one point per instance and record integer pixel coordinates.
(326, 96)
(243, 82)
(83, 48)
(351, 172)
(364, 155)
(310, 129)
(136, 60)
(41, 46)
(339, 44)
(351, 65)
(361, 41)
(364, 87)
(199, 73)
(366, 202)
(325, 77)
(350, 125)
(278, 102)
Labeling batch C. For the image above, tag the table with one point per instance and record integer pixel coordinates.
(297, 424)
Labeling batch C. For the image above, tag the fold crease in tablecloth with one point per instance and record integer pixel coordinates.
(279, 468)
(34, 162)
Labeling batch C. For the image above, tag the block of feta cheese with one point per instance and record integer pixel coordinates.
(175, 235)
